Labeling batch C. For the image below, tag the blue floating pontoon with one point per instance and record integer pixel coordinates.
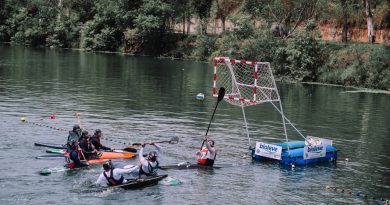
(295, 157)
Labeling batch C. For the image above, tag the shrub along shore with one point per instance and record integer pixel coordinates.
(145, 28)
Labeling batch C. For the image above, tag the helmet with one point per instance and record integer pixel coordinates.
(212, 143)
(84, 133)
(75, 127)
(98, 131)
(107, 165)
(152, 156)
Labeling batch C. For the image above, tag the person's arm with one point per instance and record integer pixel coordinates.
(159, 149)
(141, 157)
(100, 179)
(124, 171)
(211, 149)
(104, 147)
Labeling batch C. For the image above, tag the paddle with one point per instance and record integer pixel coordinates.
(173, 140)
(221, 94)
(128, 149)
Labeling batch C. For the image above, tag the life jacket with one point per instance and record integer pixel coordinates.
(111, 180)
(68, 161)
(204, 158)
(152, 170)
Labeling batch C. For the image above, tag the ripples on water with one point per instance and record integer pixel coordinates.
(135, 99)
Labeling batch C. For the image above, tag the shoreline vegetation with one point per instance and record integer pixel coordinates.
(285, 33)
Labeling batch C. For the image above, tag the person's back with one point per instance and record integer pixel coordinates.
(112, 176)
(74, 134)
(72, 156)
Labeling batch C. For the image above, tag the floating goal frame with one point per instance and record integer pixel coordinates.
(245, 90)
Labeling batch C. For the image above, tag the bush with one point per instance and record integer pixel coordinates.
(358, 65)
(299, 59)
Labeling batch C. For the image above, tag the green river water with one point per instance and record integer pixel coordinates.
(135, 99)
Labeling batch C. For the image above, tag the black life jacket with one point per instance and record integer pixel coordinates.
(111, 180)
(152, 170)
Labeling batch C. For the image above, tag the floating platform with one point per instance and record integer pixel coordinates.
(296, 154)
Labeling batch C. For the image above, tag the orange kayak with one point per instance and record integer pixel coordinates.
(115, 155)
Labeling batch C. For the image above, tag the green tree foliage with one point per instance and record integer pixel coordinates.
(283, 32)
(358, 65)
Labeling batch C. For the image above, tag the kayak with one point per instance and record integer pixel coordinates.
(50, 156)
(188, 165)
(105, 155)
(139, 182)
(51, 145)
(64, 169)
(63, 147)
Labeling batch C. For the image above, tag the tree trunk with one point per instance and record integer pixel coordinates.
(184, 25)
(188, 23)
(59, 10)
(344, 36)
(223, 19)
(370, 25)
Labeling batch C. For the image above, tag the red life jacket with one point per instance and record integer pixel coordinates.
(68, 161)
(202, 159)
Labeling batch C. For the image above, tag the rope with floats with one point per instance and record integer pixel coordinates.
(24, 120)
(358, 194)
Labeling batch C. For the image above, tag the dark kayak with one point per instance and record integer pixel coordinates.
(51, 145)
(139, 183)
(188, 165)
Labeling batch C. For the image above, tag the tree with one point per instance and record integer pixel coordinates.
(224, 8)
(369, 19)
(202, 8)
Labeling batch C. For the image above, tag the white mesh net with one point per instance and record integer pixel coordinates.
(246, 83)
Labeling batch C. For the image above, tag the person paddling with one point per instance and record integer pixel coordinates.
(95, 140)
(112, 176)
(147, 166)
(72, 156)
(87, 148)
(206, 156)
(74, 134)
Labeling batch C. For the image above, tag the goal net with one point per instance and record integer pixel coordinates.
(246, 83)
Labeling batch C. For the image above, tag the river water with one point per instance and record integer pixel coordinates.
(135, 99)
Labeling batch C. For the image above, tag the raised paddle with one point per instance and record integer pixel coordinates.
(127, 149)
(173, 140)
(221, 94)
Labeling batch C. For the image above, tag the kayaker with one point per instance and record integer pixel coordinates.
(112, 176)
(95, 140)
(87, 148)
(207, 155)
(72, 156)
(147, 166)
(75, 134)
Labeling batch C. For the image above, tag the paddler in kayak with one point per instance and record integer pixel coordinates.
(95, 140)
(87, 148)
(75, 134)
(147, 166)
(206, 156)
(72, 156)
(112, 176)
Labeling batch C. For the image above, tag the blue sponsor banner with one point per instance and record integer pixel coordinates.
(268, 150)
